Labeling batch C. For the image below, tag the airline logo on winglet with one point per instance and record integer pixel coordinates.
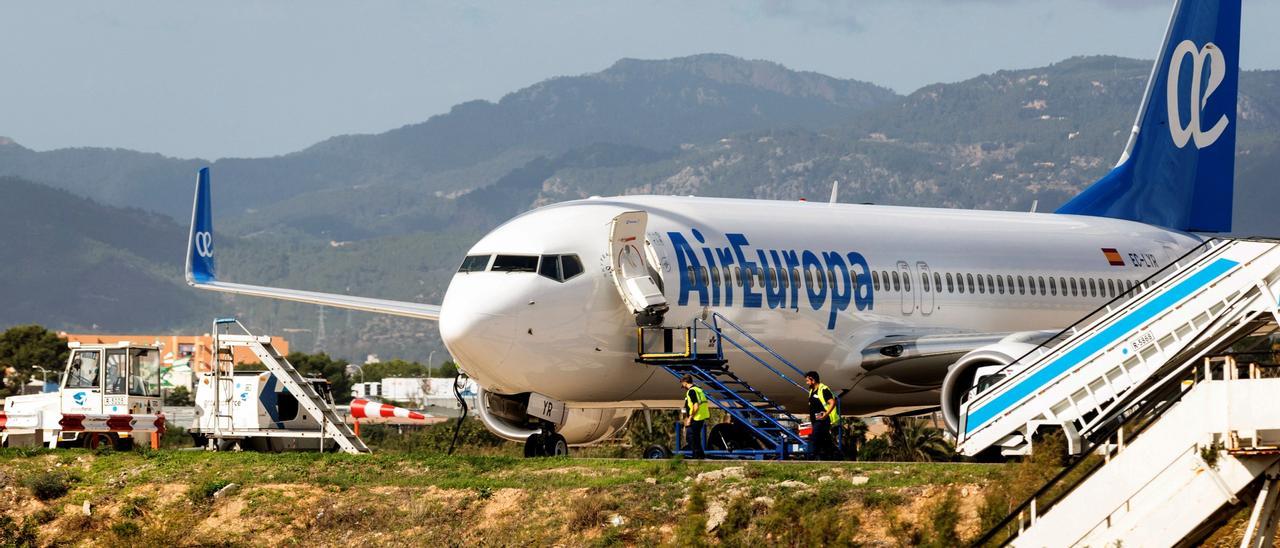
(1193, 130)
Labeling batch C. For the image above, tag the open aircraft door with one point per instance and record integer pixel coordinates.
(632, 273)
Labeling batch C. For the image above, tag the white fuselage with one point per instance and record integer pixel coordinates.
(575, 340)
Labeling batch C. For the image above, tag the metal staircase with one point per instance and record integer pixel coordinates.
(1180, 464)
(225, 342)
(1091, 371)
(773, 426)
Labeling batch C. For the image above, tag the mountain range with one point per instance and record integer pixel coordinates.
(390, 214)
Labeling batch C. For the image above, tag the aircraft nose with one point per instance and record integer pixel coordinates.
(478, 340)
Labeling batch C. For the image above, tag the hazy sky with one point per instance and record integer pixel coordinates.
(215, 79)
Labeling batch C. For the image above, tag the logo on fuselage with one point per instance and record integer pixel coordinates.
(1193, 130)
(831, 280)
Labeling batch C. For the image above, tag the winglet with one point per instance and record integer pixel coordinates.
(200, 264)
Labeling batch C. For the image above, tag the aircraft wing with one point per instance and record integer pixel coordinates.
(201, 272)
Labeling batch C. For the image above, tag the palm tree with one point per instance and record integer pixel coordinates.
(914, 439)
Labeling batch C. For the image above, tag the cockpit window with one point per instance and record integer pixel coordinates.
(515, 263)
(560, 267)
(474, 263)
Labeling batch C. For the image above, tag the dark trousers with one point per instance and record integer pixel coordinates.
(820, 440)
(694, 434)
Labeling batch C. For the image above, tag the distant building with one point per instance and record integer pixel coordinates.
(184, 355)
(415, 391)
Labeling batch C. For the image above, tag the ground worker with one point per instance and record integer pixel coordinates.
(823, 415)
(697, 412)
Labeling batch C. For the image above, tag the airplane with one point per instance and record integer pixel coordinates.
(896, 307)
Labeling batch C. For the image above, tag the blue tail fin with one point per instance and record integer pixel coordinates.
(1177, 170)
(200, 265)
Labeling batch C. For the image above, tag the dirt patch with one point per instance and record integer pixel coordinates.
(502, 503)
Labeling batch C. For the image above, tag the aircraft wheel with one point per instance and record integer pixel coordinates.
(534, 446)
(557, 446)
(657, 452)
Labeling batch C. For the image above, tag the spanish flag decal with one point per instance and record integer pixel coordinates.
(1113, 256)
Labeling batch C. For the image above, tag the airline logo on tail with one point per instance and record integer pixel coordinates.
(1193, 130)
(204, 244)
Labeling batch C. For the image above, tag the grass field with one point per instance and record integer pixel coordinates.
(167, 497)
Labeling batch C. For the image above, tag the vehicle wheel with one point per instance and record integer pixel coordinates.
(657, 452)
(228, 445)
(122, 444)
(719, 439)
(94, 440)
(557, 446)
(533, 447)
(199, 440)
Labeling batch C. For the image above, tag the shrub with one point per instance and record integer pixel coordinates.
(201, 493)
(944, 518)
(13, 534)
(48, 486)
(591, 510)
(125, 529)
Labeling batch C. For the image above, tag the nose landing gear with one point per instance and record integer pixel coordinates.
(546, 443)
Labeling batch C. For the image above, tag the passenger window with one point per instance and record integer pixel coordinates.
(795, 277)
(1022, 287)
(950, 286)
(885, 274)
(982, 287)
(570, 266)
(1062, 282)
(991, 285)
(474, 263)
(1093, 288)
(1041, 278)
(737, 276)
(702, 275)
(515, 263)
(937, 282)
(1073, 288)
(1000, 284)
(970, 277)
(924, 281)
(875, 280)
(897, 283)
(691, 276)
(550, 267)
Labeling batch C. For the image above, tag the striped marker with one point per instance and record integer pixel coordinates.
(365, 409)
(112, 423)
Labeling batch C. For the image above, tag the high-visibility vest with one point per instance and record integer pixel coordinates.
(833, 414)
(704, 410)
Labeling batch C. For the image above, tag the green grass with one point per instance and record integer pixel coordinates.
(157, 497)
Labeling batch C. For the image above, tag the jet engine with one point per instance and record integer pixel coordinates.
(980, 369)
(507, 417)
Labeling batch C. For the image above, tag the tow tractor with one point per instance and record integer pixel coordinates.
(109, 394)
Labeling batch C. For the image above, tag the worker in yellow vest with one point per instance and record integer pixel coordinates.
(824, 415)
(697, 410)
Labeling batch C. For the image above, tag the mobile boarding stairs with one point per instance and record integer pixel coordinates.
(230, 334)
(698, 350)
(1169, 399)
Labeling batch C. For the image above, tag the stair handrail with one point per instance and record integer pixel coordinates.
(721, 336)
(1071, 331)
